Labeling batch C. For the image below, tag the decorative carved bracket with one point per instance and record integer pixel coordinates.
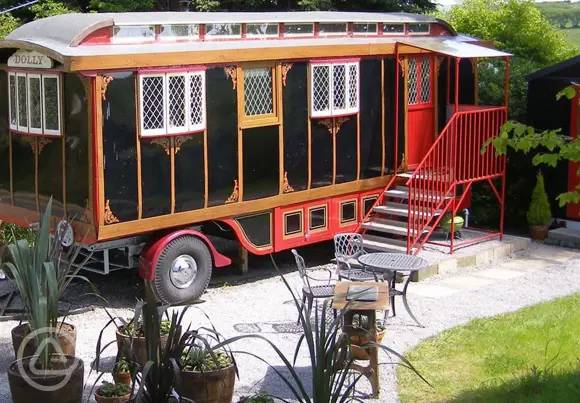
(37, 144)
(235, 196)
(285, 69)
(333, 124)
(286, 188)
(106, 81)
(179, 141)
(164, 142)
(110, 218)
(232, 74)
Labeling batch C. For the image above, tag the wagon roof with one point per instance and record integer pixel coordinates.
(62, 34)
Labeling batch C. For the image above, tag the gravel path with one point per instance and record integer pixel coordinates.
(264, 307)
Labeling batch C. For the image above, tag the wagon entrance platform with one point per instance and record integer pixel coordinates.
(434, 179)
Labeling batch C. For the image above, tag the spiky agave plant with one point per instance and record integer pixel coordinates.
(42, 271)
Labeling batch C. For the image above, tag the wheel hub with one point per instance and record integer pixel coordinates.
(183, 271)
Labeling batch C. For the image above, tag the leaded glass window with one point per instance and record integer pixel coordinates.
(13, 101)
(419, 80)
(334, 89)
(332, 28)
(258, 94)
(34, 103)
(172, 103)
(133, 33)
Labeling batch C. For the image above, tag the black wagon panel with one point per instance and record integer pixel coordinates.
(322, 153)
(261, 167)
(119, 146)
(155, 177)
(189, 174)
(346, 150)
(371, 141)
(222, 135)
(76, 147)
(296, 126)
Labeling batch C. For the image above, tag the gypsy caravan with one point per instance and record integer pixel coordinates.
(152, 130)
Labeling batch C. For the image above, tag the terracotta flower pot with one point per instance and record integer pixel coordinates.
(539, 232)
(122, 377)
(24, 391)
(208, 387)
(134, 348)
(116, 399)
(358, 340)
(66, 334)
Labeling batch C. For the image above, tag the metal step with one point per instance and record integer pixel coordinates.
(402, 192)
(398, 209)
(427, 175)
(388, 226)
(382, 244)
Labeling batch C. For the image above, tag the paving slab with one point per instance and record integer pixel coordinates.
(465, 282)
(430, 290)
(499, 274)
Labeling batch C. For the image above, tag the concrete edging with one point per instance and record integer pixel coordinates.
(490, 255)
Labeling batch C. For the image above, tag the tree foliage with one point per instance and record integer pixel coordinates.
(517, 26)
(8, 23)
(48, 8)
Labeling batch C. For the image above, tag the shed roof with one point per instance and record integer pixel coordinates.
(453, 47)
(555, 68)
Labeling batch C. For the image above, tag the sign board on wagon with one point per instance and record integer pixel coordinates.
(30, 59)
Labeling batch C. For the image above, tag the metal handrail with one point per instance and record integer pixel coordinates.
(455, 158)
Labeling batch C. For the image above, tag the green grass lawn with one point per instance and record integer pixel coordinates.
(532, 355)
(573, 36)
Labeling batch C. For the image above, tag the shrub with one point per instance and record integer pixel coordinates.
(539, 212)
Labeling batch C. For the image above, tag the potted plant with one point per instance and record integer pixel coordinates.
(113, 393)
(208, 376)
(445, 224)
(256, 398)
(539, 213)
(122, 372)
(41, 273)
(360, 336)
(131, 337)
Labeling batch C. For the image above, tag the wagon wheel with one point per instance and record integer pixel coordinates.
(183, 270)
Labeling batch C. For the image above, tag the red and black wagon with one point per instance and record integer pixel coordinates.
(151, 130)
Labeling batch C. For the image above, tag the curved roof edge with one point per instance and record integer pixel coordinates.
(22, 44)
(69, 30)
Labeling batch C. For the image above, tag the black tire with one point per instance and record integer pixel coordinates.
(163, 286)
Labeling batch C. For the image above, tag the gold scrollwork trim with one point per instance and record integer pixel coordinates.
(328, 123)
(42, 142)
(110, 218)
(164, 142)
(235, 196)
(285, 69)
(106, 81)
(232, 74)
(286, 188)
(181, 140)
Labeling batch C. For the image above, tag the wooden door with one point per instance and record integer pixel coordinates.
(421, 108)
(573, 209)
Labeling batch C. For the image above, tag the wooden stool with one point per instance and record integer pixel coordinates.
(367, 309)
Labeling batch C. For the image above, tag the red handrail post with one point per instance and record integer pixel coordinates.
(397, 72)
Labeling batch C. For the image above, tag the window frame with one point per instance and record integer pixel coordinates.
(335, 33)
(367, 33)
(295, 234)
(398, 33)
(209, 36)
(299, 35)
(420, 103)
(269, 119)
(137, 39)
(28, 129)
(409, 24)
(333, 111)
(322, 228)
(258, 36)
(342, 222)
(166, 130)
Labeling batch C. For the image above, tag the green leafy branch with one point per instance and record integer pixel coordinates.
(549, 146)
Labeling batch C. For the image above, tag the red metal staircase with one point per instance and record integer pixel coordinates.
(405, 216)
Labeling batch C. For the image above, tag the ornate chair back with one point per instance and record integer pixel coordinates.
(348, 245)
